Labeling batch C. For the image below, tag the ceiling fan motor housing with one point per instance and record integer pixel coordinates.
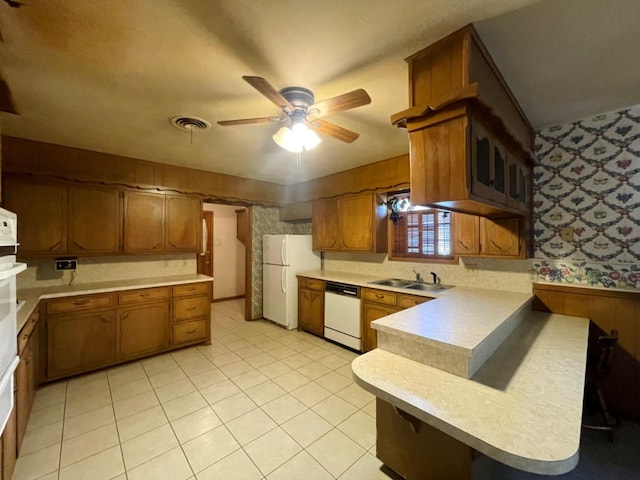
(299, 97)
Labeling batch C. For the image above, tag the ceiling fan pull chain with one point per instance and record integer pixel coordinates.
(299, 158)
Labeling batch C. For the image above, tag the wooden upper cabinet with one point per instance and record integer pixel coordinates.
(501, 237)
(143, 222)
(324, 224)
(466, 234)
(350, 223)
(488, 165)
(183, 223)
(93, 220)
(41, 210)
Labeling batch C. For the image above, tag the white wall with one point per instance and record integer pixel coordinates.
(228, 252)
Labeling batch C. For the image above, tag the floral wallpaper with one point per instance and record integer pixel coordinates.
(587, 199)
(266, 221)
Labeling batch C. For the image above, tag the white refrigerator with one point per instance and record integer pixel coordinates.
(283, 256)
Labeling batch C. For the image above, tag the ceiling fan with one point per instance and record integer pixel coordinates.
(302, 115)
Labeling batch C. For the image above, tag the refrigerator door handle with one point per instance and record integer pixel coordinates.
(283, 260)
(283, 280)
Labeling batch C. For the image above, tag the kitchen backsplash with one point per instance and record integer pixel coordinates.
(41, 272)
(587, 187)
(266, 220)
(509, 275)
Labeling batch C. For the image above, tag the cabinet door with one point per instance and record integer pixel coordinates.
(41, 210)
(183, 223)
(311, 311)
(93, 220)
(80, 342)
(519, 186)
(488, 165)
(500, 237)
(9, 449)
(143, 222)
(143, 330)
(26, 383)
(371, 312)
(355, 222)
(466, 234)
(324, 224)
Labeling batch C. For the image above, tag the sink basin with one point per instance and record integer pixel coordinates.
(393, 282)
(426, 287)
(409, 284)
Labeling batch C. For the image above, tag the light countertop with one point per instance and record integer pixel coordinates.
(31, 296)
(522, 408)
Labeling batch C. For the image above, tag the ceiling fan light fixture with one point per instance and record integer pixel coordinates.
(296, 139)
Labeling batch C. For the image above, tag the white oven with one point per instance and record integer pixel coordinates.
(9, 268)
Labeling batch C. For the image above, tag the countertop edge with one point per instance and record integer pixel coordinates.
(32, 296)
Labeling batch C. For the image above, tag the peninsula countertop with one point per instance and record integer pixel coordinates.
(31, 296)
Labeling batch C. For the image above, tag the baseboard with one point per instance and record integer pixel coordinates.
(216, 300)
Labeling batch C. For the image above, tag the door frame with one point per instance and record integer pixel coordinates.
(207, 216)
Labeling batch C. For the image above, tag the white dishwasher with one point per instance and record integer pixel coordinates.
(342, 314)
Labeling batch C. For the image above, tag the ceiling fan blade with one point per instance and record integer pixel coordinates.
(266, 89)
(247, 121)
(346, 101)
(333, 130)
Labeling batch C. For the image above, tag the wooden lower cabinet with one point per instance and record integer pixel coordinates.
(89, 332)
(311, 311)
(376, 304)
(9, 448)
(142, 330)
(370, 312)
(26, 379)
(80, 342)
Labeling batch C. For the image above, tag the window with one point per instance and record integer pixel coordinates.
(422, 234)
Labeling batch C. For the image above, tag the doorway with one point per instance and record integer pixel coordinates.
(205, 259)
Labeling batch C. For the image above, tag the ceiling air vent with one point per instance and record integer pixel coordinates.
(189, 124)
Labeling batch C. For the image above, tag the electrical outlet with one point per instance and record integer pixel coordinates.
(66, 264)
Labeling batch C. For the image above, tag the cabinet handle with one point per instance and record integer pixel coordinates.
(191, 332)
(55, 246)
(378, 295)
(79, 303)
(155, 246)
(124, 315)
(191, 289)
(497, 246)
(191, 309)
(104, 319)
(463, 245)
(78, 245)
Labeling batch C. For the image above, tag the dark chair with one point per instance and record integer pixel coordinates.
(599, 366)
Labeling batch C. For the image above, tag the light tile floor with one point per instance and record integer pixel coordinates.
(260, 402)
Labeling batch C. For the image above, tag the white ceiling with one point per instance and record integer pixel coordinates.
(107, 76)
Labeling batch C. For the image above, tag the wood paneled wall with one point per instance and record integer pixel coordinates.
(608, 310)
(30, 157)
(38, 158)
(386, 175)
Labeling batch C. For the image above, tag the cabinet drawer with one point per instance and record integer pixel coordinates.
(190, 289)
(76, 304)
(310, 283)
(188, 308)
(379, 296)
(142, 295)
(189, 332)
(408, 301)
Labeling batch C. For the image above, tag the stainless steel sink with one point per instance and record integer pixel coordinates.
(393, 282)
(426, 287)
(409, 284)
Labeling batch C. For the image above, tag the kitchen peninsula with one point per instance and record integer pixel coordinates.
(522, 406)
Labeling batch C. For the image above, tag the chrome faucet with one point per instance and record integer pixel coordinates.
(436, 280)
(418, 277)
